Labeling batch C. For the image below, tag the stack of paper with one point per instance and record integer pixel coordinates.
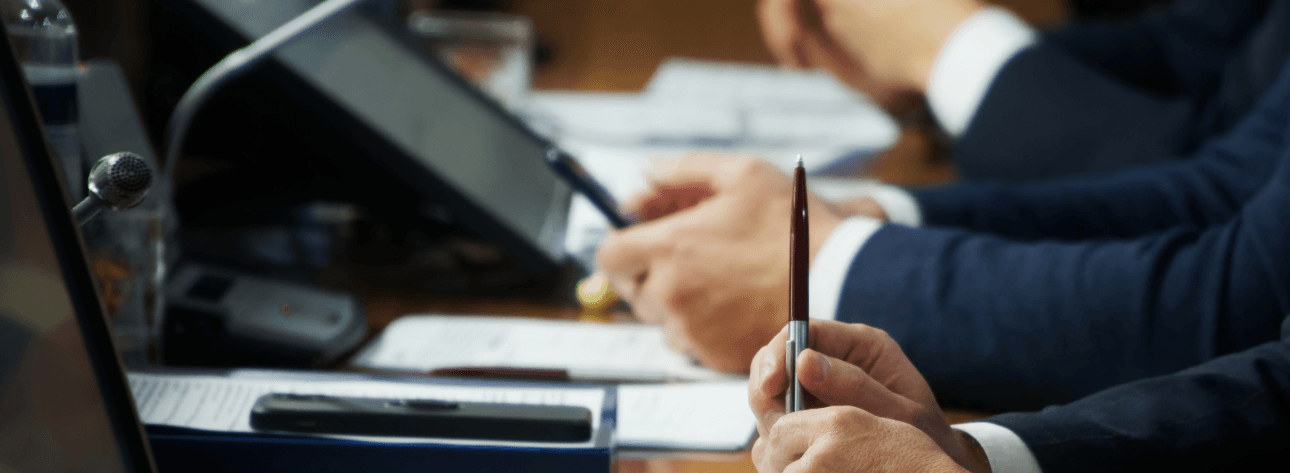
(695, 416)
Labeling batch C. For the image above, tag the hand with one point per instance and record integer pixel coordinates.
(847, 439)
(860, 366)
(884, 48)
(709, 260)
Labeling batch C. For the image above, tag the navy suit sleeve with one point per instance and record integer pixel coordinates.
(1230, 414)
(1104, 98)
(1000, 323)
(1198, 192)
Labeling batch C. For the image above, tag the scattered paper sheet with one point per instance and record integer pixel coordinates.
(686, 416)
(628, 352)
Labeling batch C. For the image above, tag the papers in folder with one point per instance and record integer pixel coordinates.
(710, 414)
(696, 416)
(223, 403)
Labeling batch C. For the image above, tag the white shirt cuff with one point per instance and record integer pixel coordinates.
(899, 205)
(969, 61)
(1006, 451)
(829, 271)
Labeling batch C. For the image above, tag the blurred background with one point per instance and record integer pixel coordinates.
(263, 185)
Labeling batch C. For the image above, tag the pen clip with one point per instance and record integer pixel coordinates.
(790, 365)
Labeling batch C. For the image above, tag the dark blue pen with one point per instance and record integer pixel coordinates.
(581, 181)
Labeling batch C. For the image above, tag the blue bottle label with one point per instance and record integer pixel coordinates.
(55, 92)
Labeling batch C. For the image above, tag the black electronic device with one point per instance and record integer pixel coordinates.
(413, 121)
(575, 175)
(222, 317)
(63, 390)
(318, 414)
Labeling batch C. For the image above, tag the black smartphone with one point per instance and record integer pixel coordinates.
(319, 414)
(573, 173)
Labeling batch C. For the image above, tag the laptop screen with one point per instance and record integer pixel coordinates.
(63, 402)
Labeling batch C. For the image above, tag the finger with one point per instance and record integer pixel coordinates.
(768, 393)
(658, 202)
(766, 407)
(624, 264)
(775, 376)
(634, 203)
(873, 351)
(855, 343)
(626, 256)
(676, 336)
(702, 172)
(791, 437)
(837, 383)
(780, 29)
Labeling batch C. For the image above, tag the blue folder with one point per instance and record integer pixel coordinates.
(199, 451)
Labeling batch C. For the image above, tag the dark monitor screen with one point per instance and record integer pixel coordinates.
(64, 406)
(412, 115)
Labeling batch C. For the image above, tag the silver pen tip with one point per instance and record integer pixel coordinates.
(799, 159)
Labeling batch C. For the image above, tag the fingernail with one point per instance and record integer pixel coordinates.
(767, 364)
(821, 365)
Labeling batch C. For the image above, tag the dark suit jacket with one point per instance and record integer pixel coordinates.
(1230, 414)
(1105, 96)
(1006, 322)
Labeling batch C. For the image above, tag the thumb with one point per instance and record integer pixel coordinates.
(835, 382)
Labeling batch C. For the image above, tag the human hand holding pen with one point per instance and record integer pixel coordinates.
(855, 377)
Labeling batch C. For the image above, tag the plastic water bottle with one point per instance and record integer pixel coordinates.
(45, 41)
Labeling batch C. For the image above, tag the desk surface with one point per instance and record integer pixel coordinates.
(383, 308)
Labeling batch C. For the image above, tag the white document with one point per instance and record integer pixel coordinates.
(725, 105)
(631, 119)
(686, 416)
(745, 83)
(585, 350)
(640, 120)
(697, 416)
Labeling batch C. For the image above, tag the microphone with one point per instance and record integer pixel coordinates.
(119, 181)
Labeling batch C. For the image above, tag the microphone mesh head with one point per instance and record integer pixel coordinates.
(121, 179)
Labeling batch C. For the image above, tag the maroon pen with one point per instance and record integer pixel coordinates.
(798, 266)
